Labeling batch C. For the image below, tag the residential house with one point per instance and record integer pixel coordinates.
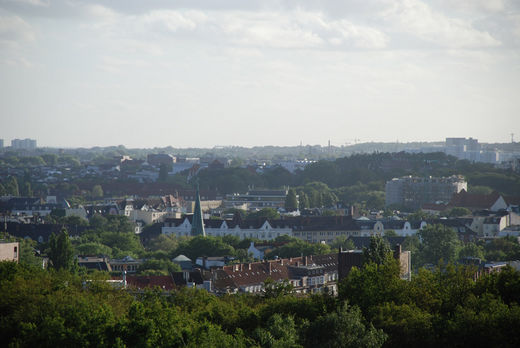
(306, 274)
(493, 201)
(99, 263)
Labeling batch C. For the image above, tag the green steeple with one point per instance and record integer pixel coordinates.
(197, 224)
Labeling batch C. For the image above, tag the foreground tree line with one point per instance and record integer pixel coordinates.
(374, 308)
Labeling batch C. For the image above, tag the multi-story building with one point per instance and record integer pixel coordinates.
(412, 192)
(257, 199)
(309, 274)
(264, 230)
(25, 144)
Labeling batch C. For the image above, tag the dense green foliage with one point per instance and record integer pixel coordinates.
(375, 307)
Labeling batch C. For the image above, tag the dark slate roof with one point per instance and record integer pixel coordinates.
(34, 231)
(194, 277)
(394, 224)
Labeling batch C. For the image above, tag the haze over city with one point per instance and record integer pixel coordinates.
(200, 74)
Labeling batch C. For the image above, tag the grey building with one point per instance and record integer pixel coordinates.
(412, 192)
(25, 144)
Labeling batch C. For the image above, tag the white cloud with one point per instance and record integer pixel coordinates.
(31, 2)
(417, 19)
(174, 21)
(15, 29)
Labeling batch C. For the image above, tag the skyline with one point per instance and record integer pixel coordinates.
(197, 74)
(7, 143)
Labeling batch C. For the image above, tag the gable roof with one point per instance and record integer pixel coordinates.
(472, 200)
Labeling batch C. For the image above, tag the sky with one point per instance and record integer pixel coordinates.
(191, 73)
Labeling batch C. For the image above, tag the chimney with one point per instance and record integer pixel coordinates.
(397, 251)
(249, 266)
(270, 268)
(305, 261)
(281, 262)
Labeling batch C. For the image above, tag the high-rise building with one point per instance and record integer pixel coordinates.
(24, 144)
(1, 143)
(412, 192)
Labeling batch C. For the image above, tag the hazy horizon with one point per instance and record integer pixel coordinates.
(258, 73)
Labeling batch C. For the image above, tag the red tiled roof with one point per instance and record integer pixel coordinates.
(241, 275)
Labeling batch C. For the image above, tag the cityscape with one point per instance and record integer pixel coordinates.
(274, 225)
(267, 174)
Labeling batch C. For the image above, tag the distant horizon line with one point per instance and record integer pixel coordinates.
(332, 145)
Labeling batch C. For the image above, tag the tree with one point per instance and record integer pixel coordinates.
(456, 212)
(60, 251)
(344, 328)
(275, 289)
(28, 253)
(471, 250)
(342, 242)
(265, 213)
(304, 200)
(419, 215)
(390, 233)
(378, 251)
(438, 242)
(27, 190)
(12, 186)
(163, 173)
(97, 191)
(93, 249)
(291, 201)
(279, 333)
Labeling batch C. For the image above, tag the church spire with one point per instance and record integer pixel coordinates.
(197, 224)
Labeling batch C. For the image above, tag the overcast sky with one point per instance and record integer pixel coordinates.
(204, 73)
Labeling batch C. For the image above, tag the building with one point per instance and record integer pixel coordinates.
(23, 144)
(128, 264)
(34, 206)
(309, 274)
(347, 259)
(159, 159)
(493, 201)
(265, 230)
(1, 143)
(10, 252)
(257, 199)
(95, 263)
(412, 192)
